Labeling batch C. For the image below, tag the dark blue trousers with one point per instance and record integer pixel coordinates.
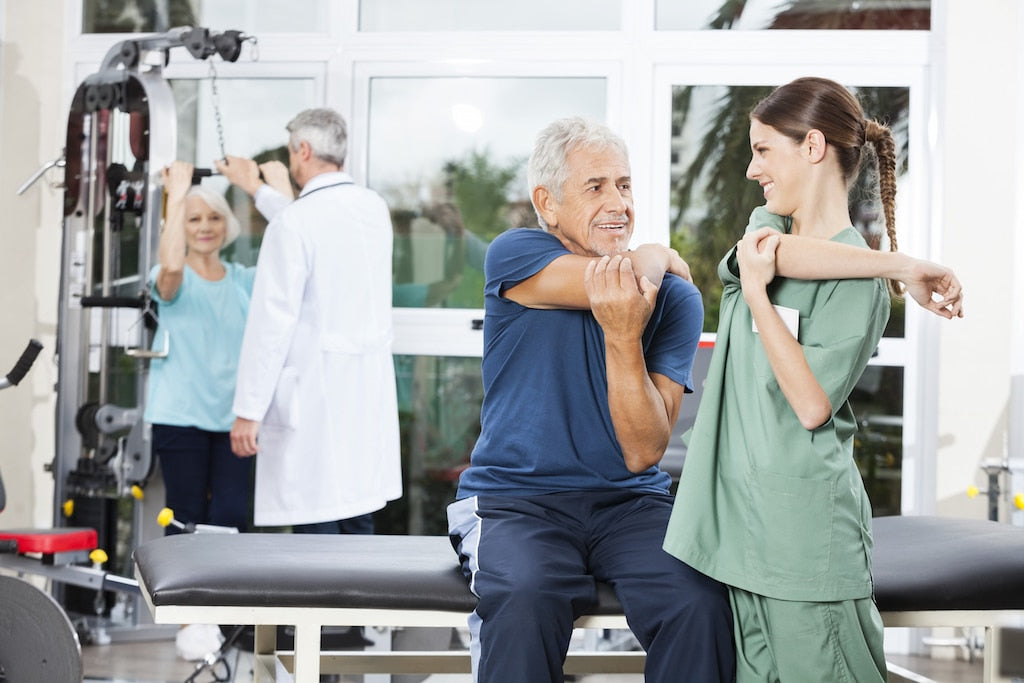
(206, 483)
(533, 563)
(363, 524)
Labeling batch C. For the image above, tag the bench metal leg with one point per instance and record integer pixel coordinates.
(264, 659)
(992, 656)
(307, 652)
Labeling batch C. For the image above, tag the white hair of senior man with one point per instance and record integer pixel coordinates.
(549, 166)
(324, 130)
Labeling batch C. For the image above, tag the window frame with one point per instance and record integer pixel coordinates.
(449, 332)
(640, 64)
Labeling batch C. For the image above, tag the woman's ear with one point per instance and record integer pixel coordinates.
(815, 145)
(546, 205)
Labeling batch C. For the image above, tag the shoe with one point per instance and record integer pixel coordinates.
(195, 641)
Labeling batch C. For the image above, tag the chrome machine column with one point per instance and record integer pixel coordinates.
(122, 130)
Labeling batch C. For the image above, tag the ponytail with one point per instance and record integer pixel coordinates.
(881, 139)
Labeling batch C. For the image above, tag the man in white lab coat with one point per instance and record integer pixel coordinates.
(316, 379)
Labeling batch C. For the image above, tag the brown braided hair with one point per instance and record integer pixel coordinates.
(819, 103)
(885, 153)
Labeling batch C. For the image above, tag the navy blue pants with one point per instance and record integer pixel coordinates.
(363, 524)
(533, 563)
(206, 483)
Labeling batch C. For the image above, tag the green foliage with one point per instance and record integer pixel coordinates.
(481, 189)
(717, 174)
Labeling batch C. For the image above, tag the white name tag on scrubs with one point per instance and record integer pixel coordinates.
(790, 318)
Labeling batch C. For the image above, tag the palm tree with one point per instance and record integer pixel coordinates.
(711, 198)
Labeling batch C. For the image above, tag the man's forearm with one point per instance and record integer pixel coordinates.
(638, 409)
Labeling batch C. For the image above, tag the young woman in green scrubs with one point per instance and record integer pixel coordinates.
(770, 501)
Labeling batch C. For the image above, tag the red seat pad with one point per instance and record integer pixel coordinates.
(48, 541)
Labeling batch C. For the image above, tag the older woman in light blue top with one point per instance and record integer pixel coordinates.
(202, 304)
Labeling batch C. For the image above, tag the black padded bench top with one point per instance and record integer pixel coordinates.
(941, 563)
(304, 570)
(308, 570)
(920, 564)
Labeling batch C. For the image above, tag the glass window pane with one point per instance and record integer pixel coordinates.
(692, 15)
(877, 402)
(439, 411)
(489, 15)
(454, 173)
(248, 16)
(711, 198)
(249, 116)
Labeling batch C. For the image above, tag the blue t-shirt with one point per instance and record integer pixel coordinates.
(546, 425)
(204, 322)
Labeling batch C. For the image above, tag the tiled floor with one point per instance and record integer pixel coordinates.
(156, 662)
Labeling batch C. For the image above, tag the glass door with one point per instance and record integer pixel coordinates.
(449, 153)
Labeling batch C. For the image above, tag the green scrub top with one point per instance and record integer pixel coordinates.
(764, 504)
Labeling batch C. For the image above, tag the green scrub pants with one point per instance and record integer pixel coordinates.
(782, 641)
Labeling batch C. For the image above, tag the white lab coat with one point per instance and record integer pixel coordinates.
(316, 367)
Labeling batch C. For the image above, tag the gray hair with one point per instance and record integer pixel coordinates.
(218, 203)
(548, 166)
(325, 132)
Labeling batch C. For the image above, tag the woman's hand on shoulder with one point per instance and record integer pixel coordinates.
(755, 254)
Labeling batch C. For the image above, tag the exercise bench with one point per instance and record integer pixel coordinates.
(929, 571)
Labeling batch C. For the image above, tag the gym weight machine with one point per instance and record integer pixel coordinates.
(121, 131)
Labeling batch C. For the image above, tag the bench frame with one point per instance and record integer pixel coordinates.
(307, 661)
(928, 572)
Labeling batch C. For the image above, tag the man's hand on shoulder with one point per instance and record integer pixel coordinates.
(654, 260)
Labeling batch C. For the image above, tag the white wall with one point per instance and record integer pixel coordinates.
(1016, 413)
(32, 120)
(978, 210)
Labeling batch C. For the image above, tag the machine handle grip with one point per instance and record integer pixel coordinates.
(112, 302)
(199, 173)
(28, 357)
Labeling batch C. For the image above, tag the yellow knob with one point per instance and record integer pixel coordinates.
(137, 492)
(972, 491)
(98, 556)
(68, 507)
(165, 517)
(1018, 501)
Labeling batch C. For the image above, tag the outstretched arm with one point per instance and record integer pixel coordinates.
(177, 179)
(560, 284)
(933, 286)
(268, 183)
